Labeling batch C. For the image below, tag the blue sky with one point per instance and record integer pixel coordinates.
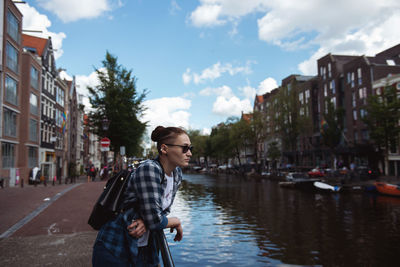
(203, 61)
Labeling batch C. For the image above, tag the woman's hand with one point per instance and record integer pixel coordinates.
(179, 232)
(137, 228)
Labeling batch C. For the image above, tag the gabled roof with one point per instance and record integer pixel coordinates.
(260, 98)
(247, 116)
(34, 42)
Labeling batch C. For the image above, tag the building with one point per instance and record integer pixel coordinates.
(11, 93)
(392, 161)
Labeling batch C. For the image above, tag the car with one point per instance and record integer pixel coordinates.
(366, 173)
(314, 173)
(292, 176)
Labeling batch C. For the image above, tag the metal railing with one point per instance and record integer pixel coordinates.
(165, 252)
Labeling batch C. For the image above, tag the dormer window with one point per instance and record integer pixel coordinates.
(390, 62)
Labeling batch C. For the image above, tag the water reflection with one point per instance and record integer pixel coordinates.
(231, 221)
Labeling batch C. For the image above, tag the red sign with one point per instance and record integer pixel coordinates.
(105, 142)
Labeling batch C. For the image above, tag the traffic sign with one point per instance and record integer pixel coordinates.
(105, 142)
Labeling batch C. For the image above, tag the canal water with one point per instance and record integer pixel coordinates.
(234, 221)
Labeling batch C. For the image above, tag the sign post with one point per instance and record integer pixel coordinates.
(105, 146)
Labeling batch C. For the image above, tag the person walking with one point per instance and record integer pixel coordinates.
(130, 238)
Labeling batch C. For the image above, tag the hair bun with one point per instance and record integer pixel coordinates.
(157, 133)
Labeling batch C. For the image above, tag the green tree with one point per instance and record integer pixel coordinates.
(273, 153)
(332, 127)
(239, 134)
(199, 142)
(117, 100)
(288, 119)
(221, 147)
(382, 120)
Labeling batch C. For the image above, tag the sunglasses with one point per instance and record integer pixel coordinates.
(185, 148)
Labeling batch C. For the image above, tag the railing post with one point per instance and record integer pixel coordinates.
(165, 252)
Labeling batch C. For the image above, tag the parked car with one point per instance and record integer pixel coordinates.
(367, 173)
(314, 173)
(292, 176)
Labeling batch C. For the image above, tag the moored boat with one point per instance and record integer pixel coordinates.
(388, 189)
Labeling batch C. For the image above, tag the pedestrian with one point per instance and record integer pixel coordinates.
(90, 171)
(130, 238)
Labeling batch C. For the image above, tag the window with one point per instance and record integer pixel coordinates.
(359, 76)
(10, 123)
(329, 70)
(355, 137)
(333, 101)
(362, 94)
(301, 99)
(12, 57)
(353, 99)
(332, 85)
(363, 113)
(365, 135)
(32, 157)
(33, 101)
(348, 77)
(355, 115)
(11, 91)
(33, 130)
(390, 62)
(12, 26)
(352, 79)
(8, 152)
(34, 77)
(325, 90)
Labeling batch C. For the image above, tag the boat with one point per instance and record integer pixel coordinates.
(326, 187)
(388, 189)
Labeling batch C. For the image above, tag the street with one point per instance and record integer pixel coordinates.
(47, 226)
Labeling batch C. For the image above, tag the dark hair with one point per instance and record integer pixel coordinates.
(162, 134)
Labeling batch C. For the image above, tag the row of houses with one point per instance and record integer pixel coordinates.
(41, 114)
(346, 82)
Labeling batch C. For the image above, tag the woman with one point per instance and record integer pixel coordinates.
(130, 239)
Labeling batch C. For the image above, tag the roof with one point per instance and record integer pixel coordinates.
(260, 98)
(247, 117)
(34, 42)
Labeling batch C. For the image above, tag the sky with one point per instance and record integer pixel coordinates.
(203, 61)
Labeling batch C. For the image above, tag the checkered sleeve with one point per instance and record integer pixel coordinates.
(147, 182)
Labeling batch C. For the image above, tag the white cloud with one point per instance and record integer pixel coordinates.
(248, 91)
(214, 72)
(83, 82)
(207, 15)
(218, 12)
(167, 111)
(342, 27)
(33, 20)
(224, 91)
(231, 106)
(267, 86)
(73, 10)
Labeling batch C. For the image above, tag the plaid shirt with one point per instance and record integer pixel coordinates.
(142, 199)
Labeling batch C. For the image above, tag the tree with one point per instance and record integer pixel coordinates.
(116, 100)
(382, 120)
(239, 134)
(258, 131)
(331, 127)
(273, 152)
(288, 119)
(199, 142)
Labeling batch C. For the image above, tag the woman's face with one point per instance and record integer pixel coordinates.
(175, 154)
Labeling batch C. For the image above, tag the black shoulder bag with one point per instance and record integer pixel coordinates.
(108, 205)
